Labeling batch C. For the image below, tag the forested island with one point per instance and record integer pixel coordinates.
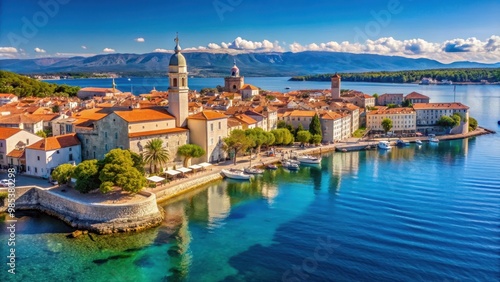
(23, 86)
(480, 75)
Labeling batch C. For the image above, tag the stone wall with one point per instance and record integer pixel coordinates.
(96, 217)
(186, 186)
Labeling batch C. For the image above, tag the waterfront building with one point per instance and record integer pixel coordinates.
(207, 129)
(331, 126)
(403, 119)
(428, 114)
(45, 155)
(234, 82)
(12, 144)
(386, 99)
(352, 110)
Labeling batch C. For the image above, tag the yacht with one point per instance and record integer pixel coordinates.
(433, 138)
(418, 142)
(290, 165)
(402, 143)
(235, 174)
(309, 159)
(252, 170)
(385, 145)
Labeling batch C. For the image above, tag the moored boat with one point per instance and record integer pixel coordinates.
(252, 170)
(418, 142)
(272, 166)
(433, 138)
(402, 143)
(235, 174)
(309, 160)
(290, 165)
(384, 145)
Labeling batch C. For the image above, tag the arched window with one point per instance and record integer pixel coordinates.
(183, 82)
(234, 86)
(174, 82)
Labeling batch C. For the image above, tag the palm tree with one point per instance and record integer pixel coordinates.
(155, 153)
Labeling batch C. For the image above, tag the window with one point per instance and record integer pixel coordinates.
(36, 170)
(70, 157)
(94, 154)
(27, 141)
(57, 152)
(116, 135)
(105, 134)
(212, 127)
(174, 82)
(88, 153)
(106, 147)
(211, 141)
(220, 125)
(28, 168)
(183, 81)
(37, 158)
(1, 145)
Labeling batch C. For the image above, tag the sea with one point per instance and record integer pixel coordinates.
(419, 213)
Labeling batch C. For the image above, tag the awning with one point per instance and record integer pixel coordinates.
(172, 172)
(155, 178)
(184, 169)
(195, 166)
(205, 164)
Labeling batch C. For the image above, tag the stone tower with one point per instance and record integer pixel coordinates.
(178, 86)
(234, 82)
(335, 87)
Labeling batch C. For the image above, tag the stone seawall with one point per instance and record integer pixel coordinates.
(182, 188)
(95, 217)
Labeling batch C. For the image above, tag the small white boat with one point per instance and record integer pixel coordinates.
(271, 167)
(309, 160)
(384, 145)
(433, 138)
(235, 174)
(402, 143)
(290, 165)
(418, 142)
(252, 170)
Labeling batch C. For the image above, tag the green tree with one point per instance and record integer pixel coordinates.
(237, 141)
(472, 124)
(269, 139)
(315, 126)
(375, 95)
(299, 128)
(155, 154)
(118, 170)
(407, 103)
(283, 124)
(303, 137)
(316, 139)
(258, 137)
(41, 133)
(138, 162)
(55, 109)
(62, 174)
(449, 121)
(387, 124)
(390, 106)
(189, 151)
(87, 176)
(282, 136)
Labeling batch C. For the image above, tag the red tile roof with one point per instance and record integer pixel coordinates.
(16, 154)
(157, 132)
(142, 115)
(56, 142)
(249, 87)
(440, 106)
(6, 132)
(207, 115)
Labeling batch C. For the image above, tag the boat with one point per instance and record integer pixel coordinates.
(235, 174)
(252, 170)
(272, 166)
(290, 165)
(499, 122)
(287, 88)
(418, 142)
(385, 145)
(309, 159)
(433, 138)
(402, 143)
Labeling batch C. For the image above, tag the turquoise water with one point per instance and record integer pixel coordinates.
(428, 213)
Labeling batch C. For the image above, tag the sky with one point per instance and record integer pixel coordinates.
(446, 31)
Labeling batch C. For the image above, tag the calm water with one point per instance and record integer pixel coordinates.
(414, 214)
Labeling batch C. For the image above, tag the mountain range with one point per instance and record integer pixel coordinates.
(203, 64)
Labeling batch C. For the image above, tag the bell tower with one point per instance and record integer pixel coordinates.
(178, 86)
(234, 82)
(335, 87)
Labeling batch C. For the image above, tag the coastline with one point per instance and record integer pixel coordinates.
(129, 217)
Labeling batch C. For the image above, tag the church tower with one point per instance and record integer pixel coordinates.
(234, 82)
(335, 87)
(178, 86)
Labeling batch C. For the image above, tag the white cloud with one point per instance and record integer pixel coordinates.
(140, 39)
(108, 50)
(39, 50)
(471, 49)
(240, 44)
(8, 50)
(160, 50)
(84, 47)
(61, 54)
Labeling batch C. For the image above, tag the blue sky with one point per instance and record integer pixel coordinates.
(442, 30)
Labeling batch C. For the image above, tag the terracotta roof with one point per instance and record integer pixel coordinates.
(245, 119)
(48, 117)
(157, 132)
(93, 114)
(207, 115)
(440, 106)
(20, 118)
(298, 113)
(6, 132)
(415, 95)
(331, 116)
(249, 87)
(336, 75)
(141, 115)
(6, 95)
(99, 89)
(56, 142)
(16, 154)
(392, 111)
(232, 122)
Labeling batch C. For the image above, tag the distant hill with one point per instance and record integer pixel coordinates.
(217, 65)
